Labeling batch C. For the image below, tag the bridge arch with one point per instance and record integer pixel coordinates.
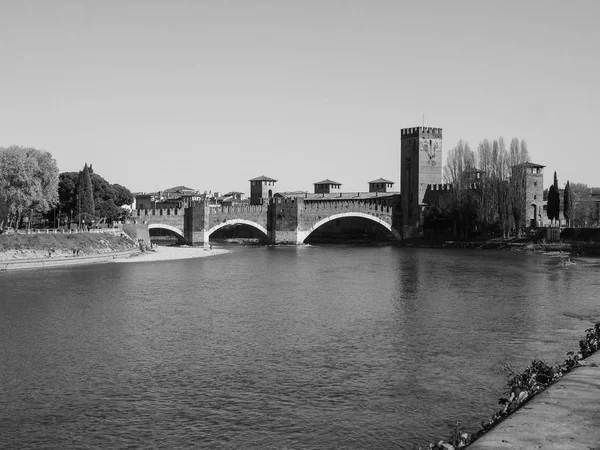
(231, 222)
(164, 226)
(304, 234)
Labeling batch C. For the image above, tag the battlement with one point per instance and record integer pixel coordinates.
(439, 187)
(157, 212)
(238, 209)
(421, 132)
(449, 187)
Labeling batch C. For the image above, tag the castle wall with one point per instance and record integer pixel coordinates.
(170, 216)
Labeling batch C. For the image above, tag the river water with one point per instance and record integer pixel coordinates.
(279, 347)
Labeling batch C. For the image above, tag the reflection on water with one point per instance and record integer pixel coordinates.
(308, 347)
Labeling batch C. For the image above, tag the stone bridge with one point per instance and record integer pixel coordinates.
(284, 220)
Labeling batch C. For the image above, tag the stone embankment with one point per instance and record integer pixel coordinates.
(19, 251)
(549, 407)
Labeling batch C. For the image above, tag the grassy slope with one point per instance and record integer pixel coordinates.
(18, 246)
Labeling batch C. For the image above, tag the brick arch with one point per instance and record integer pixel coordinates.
(302, 235)
(164, 226)
(239, 222)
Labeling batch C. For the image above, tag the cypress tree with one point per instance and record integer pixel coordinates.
(567, 203)
(554, 200)
(85, 193)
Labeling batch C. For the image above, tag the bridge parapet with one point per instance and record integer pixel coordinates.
(172, 217)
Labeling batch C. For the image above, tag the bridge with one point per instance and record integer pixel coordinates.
(282, 220)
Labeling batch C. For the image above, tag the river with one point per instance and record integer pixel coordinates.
(279, 347)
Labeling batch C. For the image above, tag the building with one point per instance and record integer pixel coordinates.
(261, 190)
(381, 185)
(326, 186)
(420, 166)
(534, 193)
(175, 197)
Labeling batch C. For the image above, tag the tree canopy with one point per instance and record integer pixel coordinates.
(28, 182)
(554, 200)
(108, 198)
(488, 186)
(567, 202)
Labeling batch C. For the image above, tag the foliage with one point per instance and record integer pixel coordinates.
(554, 200)
(89, 243)
(567, 202)
(85, 195)
(488, 187)
(459, 161)
(28, 182)
(582, 210)
(108, 198)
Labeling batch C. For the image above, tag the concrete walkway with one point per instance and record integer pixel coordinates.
(564, 416)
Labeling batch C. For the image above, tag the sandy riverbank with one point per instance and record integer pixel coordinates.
(32, 259)
(160, 253)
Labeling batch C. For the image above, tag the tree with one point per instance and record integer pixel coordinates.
(567, 203)
(518, 195)
(554, 201)
(28, 182)
(85, 196)
(459, 160)
(108, 198)
(581, 207)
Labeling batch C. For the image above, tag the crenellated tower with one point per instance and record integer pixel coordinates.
(420, 165)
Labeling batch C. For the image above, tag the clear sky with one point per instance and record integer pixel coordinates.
(209, 94)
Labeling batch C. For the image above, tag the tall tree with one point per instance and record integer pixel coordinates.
(581, 210)
(459, 160)
(554, 201)
(108, 198)
(567, 203)
(85, 192)
(518, 195)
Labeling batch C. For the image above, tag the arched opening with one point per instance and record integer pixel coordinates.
(534, 214)
(350, 228)
(239, 232)
(161, 234)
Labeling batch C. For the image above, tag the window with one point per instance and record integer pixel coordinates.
(535, 197)
(535, 183)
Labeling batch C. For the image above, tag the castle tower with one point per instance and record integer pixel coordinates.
(420, 165)
(534, 193)
(261, 190)
(326, 186)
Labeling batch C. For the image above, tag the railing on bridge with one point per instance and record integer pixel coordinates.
(67, 231)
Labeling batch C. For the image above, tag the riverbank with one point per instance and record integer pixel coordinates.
(563, 416)
(549, 406)
(52, 250)
(573, 248)
(62, 245)
(160, 253)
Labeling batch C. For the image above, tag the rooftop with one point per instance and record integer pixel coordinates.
(381, 180)
(263, 178)
(530, 164)
(179, 189)
(328, 181)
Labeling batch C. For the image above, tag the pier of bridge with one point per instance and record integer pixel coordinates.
(283, 220)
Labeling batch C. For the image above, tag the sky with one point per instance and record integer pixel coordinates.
(209, 94)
